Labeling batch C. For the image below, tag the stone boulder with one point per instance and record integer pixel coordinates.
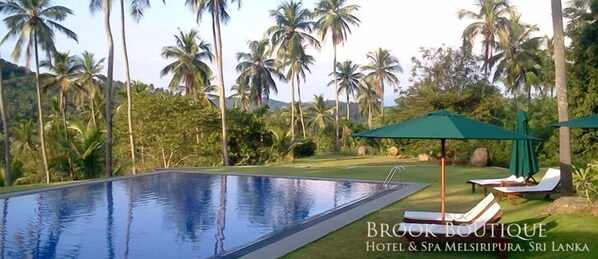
(571, 205)
(423, 157)
(479, 157)
(393, 151)
(361, 151)
(595, 211)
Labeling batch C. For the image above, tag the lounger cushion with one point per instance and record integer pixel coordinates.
(548, 183)
(458, 217)
(497, 181)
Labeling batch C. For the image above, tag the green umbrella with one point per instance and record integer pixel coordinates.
(442, 125)
(589, 122)
(524, 161)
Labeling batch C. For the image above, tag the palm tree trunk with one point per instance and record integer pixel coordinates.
(381, 86)
(128, 85)
(348, 112)
(40, 114)
(93, 112)
(218, 41)
(561, 92)
(300, 108)
(109, 75)
(63, 99)
(7, 171)
(292, 107)
(337, 138)
(370, 115)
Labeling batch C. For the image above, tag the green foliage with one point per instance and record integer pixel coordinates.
(249, 138)
(305, 149)
(586, 181)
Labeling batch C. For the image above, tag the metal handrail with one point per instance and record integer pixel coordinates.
(397, 169)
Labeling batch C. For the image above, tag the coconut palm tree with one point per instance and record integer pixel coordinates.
(89, 77)
(242, 94)
(257, 71)
(33, 23)
(218, 11)
(289, 37)
(320, 113)
(561, 94)
(348, 77)
(382, 68)
(296, 68)
(105, 6)
(6, 135)
(337, 18)
(367, 99)
(188, 67)
(63, 73)
(136, 10)
(491, 20)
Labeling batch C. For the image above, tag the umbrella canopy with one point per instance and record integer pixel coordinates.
(442, 125)
(589, 122)
(524, 161)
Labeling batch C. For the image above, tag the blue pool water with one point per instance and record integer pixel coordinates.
(166, 215)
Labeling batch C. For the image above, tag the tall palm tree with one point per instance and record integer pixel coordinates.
(289, 37)
(89, 77)
(218, 10)
(335, 17)
(188, 67)
(63, 73)
(561, 94)
(349, 77)
(491, 19)
(105, 5)
(242, 95)
(257, 70)
(33, 23)
(6, 139)
(320, 113)
(297, 66)
(137, 9)
(367, 98)
(382, 68)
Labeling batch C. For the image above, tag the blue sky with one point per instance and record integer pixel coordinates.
(399, 25)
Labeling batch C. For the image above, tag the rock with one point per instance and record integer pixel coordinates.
(571, 205)
(479, 157)
(423, 157)
(361, 151)
(595, 211)
(393, 151)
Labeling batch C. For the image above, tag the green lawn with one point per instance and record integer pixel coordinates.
(350, 241)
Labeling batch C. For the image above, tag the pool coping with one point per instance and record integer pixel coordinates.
(294, 237)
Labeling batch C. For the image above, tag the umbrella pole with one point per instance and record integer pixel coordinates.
(442, 176)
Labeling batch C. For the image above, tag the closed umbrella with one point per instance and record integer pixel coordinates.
(442, 125)
(589, 122)
(524, 161)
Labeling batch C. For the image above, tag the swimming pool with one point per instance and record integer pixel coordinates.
(168, 214)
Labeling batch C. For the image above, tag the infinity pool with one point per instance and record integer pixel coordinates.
(166, 215)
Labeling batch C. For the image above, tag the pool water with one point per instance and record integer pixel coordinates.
(165, 215)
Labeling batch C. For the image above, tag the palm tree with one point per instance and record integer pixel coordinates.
(257, 70)
(217, 8)
(188, 66)
(561, 93)
(335, 17)
(63, 73)
(137, 8)
(242, 94)
(289, 37)
(6, 138)
(367, 98)
(105, 5)
(382, 68)
(89, 77)
(347, 74)
(297, 66)
(33, 23)
(320, 113)
(491, 20)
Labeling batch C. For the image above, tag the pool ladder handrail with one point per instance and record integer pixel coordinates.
(401, 170)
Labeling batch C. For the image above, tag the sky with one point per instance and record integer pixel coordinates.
(402, 26)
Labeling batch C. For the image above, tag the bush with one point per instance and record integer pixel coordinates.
(305, 149)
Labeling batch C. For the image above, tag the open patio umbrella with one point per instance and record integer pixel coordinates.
(589, 122)
(524, 161)
(442, 125)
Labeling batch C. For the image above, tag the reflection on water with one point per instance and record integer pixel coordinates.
(164, 215)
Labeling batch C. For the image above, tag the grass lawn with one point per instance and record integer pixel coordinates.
(350, 241)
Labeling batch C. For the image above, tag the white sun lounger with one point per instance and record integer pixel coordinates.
(494, 182)
(547, 185)
(455, 218)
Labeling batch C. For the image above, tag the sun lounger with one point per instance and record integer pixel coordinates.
(547, 185)
(493, 182)
(455, 218)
